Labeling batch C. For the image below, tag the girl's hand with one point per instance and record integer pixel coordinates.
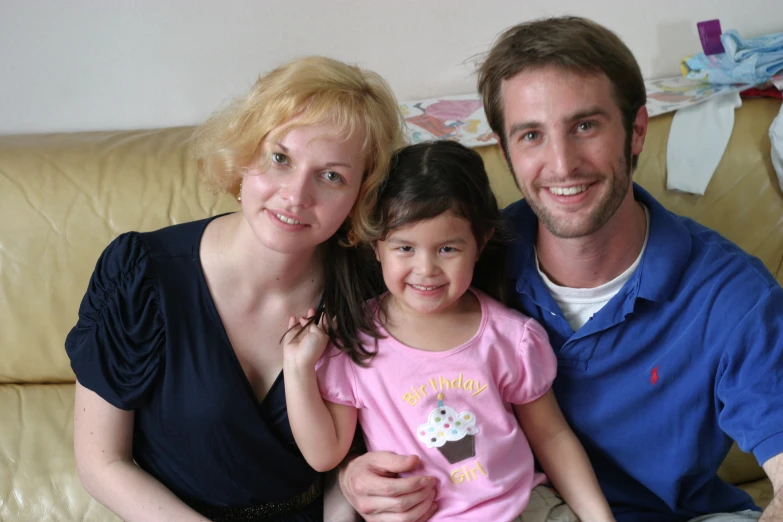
(304, 344)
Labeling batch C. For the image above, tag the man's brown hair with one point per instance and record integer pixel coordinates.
(570, 43)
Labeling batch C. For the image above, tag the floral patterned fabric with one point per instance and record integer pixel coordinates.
(461, 117)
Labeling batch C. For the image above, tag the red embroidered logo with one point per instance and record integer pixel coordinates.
(654, 375)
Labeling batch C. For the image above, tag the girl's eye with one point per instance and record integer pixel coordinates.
(447, 250)
(406, 248)
(332, 176)
(279, 158)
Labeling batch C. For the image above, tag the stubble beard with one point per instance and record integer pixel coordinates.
(599, 215)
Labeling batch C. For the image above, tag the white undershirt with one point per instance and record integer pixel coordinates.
(579, 304)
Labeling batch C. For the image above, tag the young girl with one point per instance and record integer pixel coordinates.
(456, 377)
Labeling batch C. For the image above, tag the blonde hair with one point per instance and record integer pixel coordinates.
(307, 91)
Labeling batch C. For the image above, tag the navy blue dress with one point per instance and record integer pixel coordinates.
(149, 339)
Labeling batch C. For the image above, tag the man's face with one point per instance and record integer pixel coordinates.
(568, 148)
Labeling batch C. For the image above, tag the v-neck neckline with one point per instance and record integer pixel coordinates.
(249, 391)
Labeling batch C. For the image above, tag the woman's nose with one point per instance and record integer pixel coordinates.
(297, 189)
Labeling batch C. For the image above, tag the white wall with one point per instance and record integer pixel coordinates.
(121, 64)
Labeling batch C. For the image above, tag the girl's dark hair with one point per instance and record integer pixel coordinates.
(431, 178)
(352, 279)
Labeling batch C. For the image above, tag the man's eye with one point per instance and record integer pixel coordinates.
(586, 126)
(530, 136)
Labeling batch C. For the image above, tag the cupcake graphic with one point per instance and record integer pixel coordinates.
(451, 432)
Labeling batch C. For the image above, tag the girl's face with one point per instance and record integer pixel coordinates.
(307, 190)
(428, 266)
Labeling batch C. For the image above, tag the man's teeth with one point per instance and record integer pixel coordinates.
(567, 191)
(424, 288)
(288, 220)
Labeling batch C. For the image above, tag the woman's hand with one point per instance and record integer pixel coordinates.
(371, 484)
(304, 344)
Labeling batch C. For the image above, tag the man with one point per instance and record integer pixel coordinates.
(669, 338)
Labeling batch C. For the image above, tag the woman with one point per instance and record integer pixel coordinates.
(180, 407)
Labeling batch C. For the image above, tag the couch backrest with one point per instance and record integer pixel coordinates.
(63, 198)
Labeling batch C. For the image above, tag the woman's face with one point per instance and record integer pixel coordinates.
(300, 199)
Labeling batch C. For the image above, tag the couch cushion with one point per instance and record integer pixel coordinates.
(38, 479)
(740, 467)
(743, 200)
(63, 198)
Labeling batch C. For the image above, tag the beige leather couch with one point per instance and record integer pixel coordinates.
(64, 197)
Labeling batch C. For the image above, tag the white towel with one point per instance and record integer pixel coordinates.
(776, 145)
(697, 139)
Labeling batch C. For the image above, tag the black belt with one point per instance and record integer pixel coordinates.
(266, 511)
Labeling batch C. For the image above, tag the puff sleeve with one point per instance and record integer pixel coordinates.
(336, 378)
(537, 365)
(116, 348)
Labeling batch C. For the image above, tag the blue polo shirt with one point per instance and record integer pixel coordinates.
(687, 356)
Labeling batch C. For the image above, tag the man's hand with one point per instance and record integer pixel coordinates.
(371, 485)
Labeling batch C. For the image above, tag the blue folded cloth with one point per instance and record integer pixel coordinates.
(752, 61)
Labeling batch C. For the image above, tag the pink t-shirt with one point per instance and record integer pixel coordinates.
(453, 409)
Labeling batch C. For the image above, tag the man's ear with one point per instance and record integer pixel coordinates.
(503, 150)
(639, 130)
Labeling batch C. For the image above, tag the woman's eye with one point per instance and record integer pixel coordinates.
(279, 158)
(332, 176)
